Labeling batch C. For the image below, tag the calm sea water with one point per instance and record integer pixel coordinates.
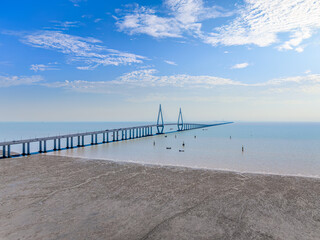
(277, 148)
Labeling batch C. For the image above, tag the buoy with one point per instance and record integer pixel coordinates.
(183, 144)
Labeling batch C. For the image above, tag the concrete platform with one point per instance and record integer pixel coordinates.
(52, 197)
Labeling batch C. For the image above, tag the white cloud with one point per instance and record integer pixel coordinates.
(170, 62)
(8, 81)
(76, 2)
(59, 25)
(259, 22)
(98, 20)
(308, 79)
(42, 67)
(185, 16)
(148, 78)
(240, 65)
(88, 51)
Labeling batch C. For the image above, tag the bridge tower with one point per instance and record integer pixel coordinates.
(180, 121)
(160, 124)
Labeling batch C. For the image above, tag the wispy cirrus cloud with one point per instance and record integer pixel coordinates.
(240, 65)
(257, 22)
(148, 78)
(63, 25)
(170, 62)
(43, 67)
(88, 51)
(77, 2)
(184, 16)
(8, 81)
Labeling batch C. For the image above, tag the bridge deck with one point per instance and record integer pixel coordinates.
(14, 142)
(134, 132)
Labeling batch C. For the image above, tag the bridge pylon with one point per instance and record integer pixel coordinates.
(160, 124)
(180, 121)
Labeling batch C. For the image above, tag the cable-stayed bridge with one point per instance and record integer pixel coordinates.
(75, 140)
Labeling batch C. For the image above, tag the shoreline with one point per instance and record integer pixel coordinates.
(59, 197)
(195, 168)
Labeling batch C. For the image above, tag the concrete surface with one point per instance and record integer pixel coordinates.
(53, 197)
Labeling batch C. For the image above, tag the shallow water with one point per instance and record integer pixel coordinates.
(278, 148)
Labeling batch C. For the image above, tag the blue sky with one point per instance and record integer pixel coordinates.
(90, 60)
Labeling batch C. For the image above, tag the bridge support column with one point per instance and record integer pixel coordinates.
(103, 137)
(9, 152)
(96, 139)
(71, 142)
(23, 149)
(107, 137)
(91, 139)
(82, 144)
(67, 145)
(44, 146)
(3, 151)
(54, 144)
(40, 147)
(59, 143)
(28, 148)
(79, 141)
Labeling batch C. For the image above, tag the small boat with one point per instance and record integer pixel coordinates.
(181, 150)
(168, 147)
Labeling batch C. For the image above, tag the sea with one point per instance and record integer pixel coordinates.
(255, 147)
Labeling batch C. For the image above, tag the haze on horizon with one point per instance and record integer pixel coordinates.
(95, 60)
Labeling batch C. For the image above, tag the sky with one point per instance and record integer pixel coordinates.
(97, 60)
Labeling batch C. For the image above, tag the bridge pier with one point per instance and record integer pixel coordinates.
(96, 139)
(28, 148)
(9, 152)
(40, 147)
(67, 142)
(23, 149)
(59, 143)
(82, 141)
(54, 144)
(44, 146)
